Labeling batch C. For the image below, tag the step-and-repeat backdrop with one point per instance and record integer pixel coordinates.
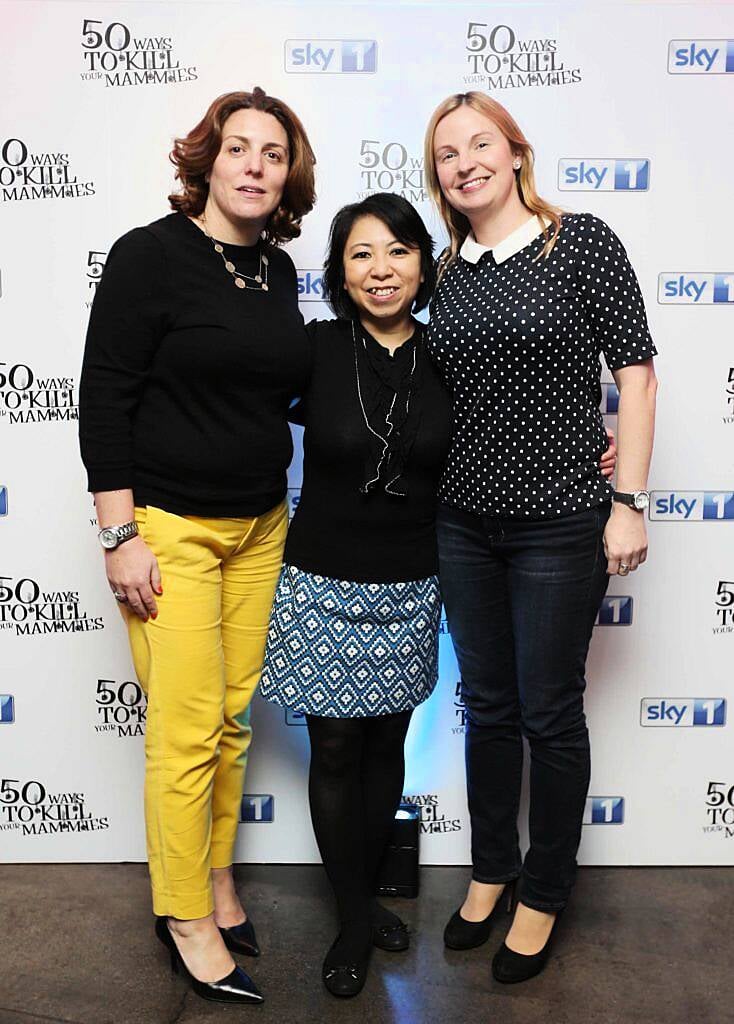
(629, 108)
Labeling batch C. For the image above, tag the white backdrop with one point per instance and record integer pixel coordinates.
(629, 104)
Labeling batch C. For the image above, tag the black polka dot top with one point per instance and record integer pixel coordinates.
(518, 342)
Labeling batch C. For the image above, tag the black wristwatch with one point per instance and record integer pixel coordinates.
(638, 500)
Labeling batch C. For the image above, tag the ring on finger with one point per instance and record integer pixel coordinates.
(119, 596)
(623, 569)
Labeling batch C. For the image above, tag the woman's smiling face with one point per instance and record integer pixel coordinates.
(381, 274)
(474, 162)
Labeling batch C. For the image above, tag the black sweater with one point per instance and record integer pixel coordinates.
(338, 531)
(187, 379)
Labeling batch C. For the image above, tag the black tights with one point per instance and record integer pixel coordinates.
(354, 789)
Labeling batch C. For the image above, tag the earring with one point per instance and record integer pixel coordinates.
(517, 165)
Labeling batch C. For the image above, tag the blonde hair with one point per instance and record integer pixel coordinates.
(456, 223)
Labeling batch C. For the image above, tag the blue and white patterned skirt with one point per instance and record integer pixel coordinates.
(341, 649)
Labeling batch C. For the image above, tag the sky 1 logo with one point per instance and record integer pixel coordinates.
(7, 708)
(692, 506)
(615, 611)
(695, 289)
(604, 810)
(701, 56)
(333, 56)
(682, 711)
(310, 285)
(257, 807)
(609, 399)
(589, 174)
(294, 496)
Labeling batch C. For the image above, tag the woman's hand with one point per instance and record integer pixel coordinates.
(625, 540)
(609, 458)
(132, 570)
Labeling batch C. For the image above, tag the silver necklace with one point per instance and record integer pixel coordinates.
(390, 425)
(261, 277)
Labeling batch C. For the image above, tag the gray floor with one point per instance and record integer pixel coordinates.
(637, 945)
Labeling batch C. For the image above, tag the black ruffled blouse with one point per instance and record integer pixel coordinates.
(367, 509)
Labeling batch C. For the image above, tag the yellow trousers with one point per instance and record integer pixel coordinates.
(199, 663)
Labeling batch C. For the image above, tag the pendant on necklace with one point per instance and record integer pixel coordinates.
(239, 282)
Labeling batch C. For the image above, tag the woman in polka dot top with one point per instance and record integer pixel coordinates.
(529, 530)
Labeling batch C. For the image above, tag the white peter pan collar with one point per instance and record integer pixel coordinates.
(472, 250)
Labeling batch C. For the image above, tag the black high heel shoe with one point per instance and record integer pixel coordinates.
(510, 967)
(345, 979)
(240, 938)
(237, 987)
(462, 934)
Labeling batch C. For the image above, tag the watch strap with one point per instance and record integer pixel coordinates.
(126, 532)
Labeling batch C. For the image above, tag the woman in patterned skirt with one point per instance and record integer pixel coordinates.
(353, 639)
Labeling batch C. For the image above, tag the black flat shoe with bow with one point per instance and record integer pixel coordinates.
(389, 932)
(237, 987)
(344, 976)
(240, 938)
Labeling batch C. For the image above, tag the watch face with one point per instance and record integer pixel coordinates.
(108, 538)
(642, 499)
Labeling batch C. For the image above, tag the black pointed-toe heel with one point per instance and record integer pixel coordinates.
(237, 987)
(240, 938)
(345, 979)
(510, 967)
(462, 934)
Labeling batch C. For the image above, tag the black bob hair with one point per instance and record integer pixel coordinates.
(405, 223)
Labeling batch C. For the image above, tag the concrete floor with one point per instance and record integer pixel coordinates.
(645, 945)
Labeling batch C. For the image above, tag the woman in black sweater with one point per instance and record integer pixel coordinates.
(194, 353)
(353, 639)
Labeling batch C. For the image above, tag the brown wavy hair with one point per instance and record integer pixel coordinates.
(193, 157)
(456, 223)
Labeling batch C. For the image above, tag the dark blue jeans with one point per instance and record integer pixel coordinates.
(521, 599)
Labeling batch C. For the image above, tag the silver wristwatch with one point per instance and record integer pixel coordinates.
(112, 536)
(638, 500)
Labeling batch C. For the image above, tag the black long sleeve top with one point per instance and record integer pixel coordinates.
(187, 379)
(337, 530)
